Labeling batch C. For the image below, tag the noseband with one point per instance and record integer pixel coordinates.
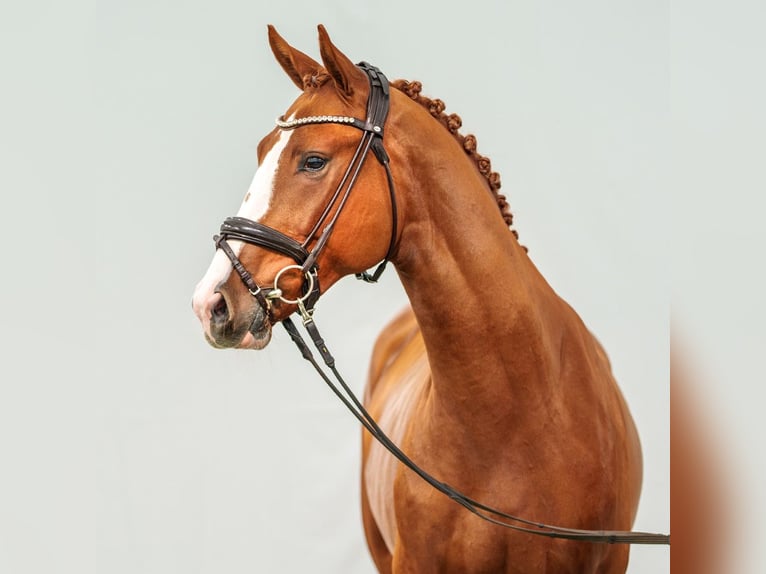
(256, 233)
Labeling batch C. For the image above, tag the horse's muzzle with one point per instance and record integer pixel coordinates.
(226, 327)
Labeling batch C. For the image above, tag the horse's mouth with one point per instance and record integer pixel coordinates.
(257, 336)
(251, 330)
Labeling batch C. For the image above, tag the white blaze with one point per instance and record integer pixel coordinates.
(253, 207)
(258, 197)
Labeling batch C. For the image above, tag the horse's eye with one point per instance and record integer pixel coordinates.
(314, 163)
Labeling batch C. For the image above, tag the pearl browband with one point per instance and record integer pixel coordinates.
(290, 124)
(367, 126)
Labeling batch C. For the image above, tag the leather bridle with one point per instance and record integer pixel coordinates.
(256, 233)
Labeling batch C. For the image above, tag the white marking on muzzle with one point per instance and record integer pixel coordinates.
(254, 207)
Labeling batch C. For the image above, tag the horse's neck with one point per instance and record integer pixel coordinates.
(483, 308)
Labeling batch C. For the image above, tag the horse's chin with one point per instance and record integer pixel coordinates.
(257, 337)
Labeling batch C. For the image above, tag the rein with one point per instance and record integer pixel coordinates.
(256, 233)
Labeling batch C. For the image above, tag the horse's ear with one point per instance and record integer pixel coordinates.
(344, 73)
(297, 64)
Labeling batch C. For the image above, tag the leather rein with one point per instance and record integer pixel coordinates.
(256, 233)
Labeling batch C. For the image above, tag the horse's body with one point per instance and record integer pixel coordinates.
(490, 382)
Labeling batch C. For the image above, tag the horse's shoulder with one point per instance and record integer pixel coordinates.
(397, 345)
(399, 377)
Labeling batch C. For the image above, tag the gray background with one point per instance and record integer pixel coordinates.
(129, 132)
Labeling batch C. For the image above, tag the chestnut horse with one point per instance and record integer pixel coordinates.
(490, 382)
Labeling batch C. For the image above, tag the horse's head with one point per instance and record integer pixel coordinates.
(299, 190)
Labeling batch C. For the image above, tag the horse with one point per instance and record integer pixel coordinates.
(488, 379)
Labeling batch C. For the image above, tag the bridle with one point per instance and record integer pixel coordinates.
(256, 233)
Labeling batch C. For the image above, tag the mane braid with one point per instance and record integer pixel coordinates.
(453, 123)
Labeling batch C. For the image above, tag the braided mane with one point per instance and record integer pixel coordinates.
(453, 123)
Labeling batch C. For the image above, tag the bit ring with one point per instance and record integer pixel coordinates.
(301, 299)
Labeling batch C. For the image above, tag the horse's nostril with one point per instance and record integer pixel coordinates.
(220, 311)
